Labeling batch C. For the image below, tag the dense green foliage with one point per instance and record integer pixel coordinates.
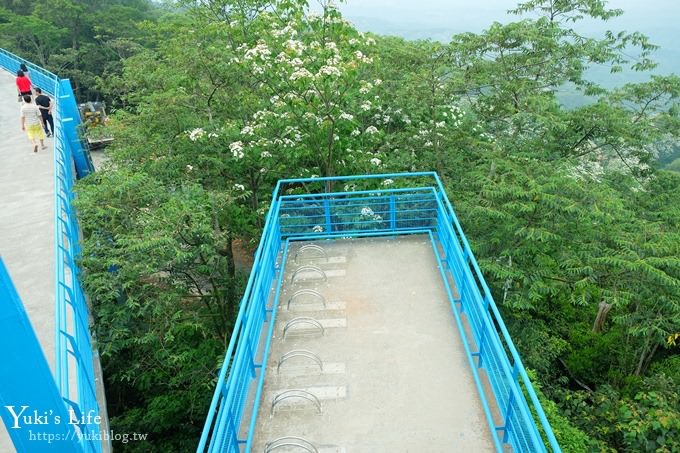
(576, 230)
(79, 40)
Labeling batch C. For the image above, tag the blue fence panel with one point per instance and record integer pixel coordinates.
(27, 385)
(413, 203)
(74, 350)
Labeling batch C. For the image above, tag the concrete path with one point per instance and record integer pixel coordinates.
(27, 222)
(391, 375)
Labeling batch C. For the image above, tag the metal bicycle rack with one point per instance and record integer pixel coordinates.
(290, 441)
(308, 268)
(300, 353)
(320, 252)
(303, 320)
(296, 393)
(306, 291)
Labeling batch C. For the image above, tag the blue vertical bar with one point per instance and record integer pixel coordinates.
(27, 388)
(327, 213)
(393, 213)
(70, 119)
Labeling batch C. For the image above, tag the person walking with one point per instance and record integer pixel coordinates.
(23, 85)
(32, 123)
(44, 103)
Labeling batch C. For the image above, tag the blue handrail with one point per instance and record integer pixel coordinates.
(412, 203)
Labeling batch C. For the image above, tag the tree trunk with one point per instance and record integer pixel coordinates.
(601, 318)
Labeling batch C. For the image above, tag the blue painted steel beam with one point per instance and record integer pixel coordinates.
(31, 407)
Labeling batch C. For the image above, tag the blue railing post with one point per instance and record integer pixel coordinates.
(393, 212)
(71, 120)
(27, 388)
(327, 215)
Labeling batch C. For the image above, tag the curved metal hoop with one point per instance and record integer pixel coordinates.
(306, 291)
(321, 253)
(290, 441)
(300, 353)
(308, 268)
(296, 393)
(303, 320)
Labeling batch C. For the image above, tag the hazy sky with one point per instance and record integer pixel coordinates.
(440, 19)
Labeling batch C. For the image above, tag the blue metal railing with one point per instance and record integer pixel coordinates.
(74, 369)
(409, 203)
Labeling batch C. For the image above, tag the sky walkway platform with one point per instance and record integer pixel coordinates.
(27, 223)
(367, 326)
(50, 364)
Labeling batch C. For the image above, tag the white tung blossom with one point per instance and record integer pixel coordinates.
(236, 149)
(317, 229)
(190, 167)
(366, 106)
(359, 55)
(265, 154)
(295, 45)
(440, 124)
(371, 130)
(195, 134)
(260, 50)
(346, 116)
(247, 130)
(375, 161)
(334, 60)
(355, 132)
(367, 212)
(329, 70)
(300, 73)
(387, 182)
(240, 187)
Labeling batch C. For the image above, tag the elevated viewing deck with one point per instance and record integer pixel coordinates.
(366, 325)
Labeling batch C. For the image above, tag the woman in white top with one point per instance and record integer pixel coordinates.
(32, 123)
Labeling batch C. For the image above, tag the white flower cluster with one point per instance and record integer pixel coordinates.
(317, 229)
(260, 50)
(239, 187)
(359, 55)
(387, 182)
(195, 134)
(346, 116)
(300, 74)
(368, 212)
(236, 149)
(285, 31)
(375, 161)
(328, 70)
(371, 130)
(296, 46)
